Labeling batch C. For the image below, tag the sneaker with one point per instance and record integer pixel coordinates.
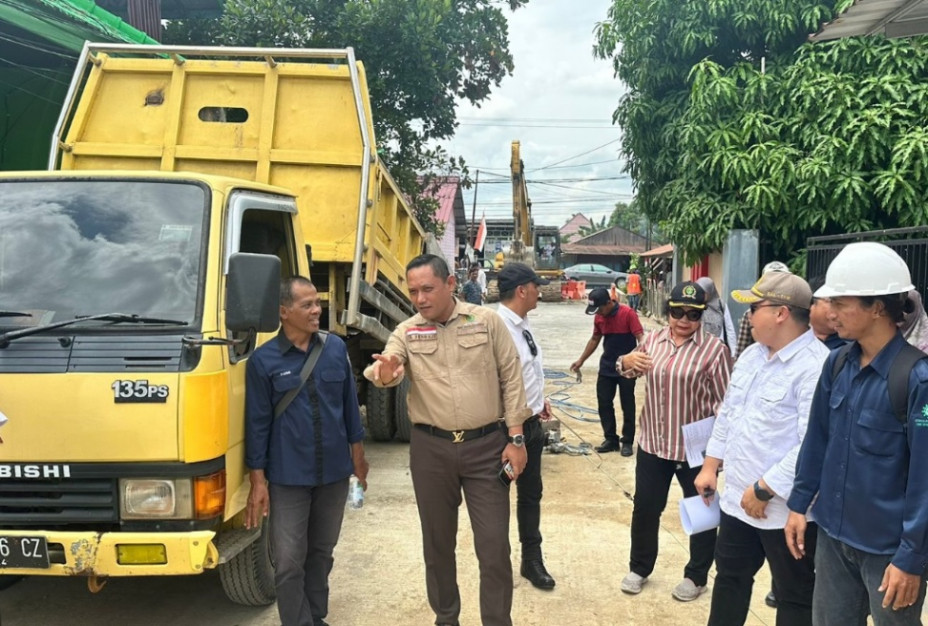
(632, 583)
(687, 591)
(771, 600)
(627, 449)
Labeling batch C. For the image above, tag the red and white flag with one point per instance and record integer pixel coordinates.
(481, 234)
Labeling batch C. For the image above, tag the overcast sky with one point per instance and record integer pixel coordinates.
(559, 104)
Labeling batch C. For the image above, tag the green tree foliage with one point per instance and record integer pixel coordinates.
(732, 121)
(629, 217)
(420, 57)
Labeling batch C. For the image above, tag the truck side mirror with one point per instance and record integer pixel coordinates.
(253, 292)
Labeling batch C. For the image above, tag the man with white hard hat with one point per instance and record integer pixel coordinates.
(863, 468)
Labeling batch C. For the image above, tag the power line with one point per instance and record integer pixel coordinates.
(571, 158)
(513, 125)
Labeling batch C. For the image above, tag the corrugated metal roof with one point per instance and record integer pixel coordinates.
(450, 201)
(660, 251)
(893, 18)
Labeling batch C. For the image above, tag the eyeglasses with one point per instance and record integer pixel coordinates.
(756, 306)
(531, 342)
(693, 315)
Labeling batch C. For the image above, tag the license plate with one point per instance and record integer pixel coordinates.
(23, 552)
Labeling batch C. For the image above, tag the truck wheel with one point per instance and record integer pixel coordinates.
(248, 578)
(403, 425)
(380, 413)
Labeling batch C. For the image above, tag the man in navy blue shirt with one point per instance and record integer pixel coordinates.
(301, 461)
(865, 470)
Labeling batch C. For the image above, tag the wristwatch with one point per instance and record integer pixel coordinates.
(760, 493)
(516, 440)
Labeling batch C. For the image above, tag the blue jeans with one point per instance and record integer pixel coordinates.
(305, 524)
(846, 583)
(633, 300)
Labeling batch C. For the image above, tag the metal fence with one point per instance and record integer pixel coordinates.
(909, 243)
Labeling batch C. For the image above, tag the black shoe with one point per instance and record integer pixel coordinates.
(627, 449)
(771, 600)
(537, 574)
(607, 446)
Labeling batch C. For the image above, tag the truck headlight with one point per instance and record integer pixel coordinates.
(149, 498)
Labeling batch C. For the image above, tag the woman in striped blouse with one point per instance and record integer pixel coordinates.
(687, 370)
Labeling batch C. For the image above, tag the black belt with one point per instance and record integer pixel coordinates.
(460, 436)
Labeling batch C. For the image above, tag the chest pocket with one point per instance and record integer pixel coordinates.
(423, 346)
(473, 340)
(283, 384)
(879, 433)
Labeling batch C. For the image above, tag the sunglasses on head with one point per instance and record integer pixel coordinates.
(693, 315)
(531, 342)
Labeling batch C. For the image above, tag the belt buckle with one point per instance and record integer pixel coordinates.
(458, 436)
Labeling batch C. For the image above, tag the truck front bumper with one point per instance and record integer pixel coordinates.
(115, 554)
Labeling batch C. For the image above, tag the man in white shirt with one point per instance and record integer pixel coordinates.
(518, 293)
(757, 435)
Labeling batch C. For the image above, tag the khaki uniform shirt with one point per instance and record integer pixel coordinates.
(463, 374)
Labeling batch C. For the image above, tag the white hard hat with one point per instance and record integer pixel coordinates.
(866, 268)
(775, 266)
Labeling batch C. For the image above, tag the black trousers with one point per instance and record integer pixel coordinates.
(740, 552)
(652, 484)
(605, 399)
(528, 492)
(305, 524)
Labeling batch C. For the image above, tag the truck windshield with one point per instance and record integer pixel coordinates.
(88, 247)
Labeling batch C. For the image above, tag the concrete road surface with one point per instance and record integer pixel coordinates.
(378, 577)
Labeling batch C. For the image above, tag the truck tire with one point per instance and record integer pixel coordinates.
(248, 578)
(380, 411)
(403, 425)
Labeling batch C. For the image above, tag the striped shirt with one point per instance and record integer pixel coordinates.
(685, 384)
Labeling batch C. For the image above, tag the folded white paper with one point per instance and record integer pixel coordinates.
(696, 517)
(696, 439)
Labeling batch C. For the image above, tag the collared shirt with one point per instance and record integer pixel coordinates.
(619, 330)
(762, 421)
(533, 374)
(309, 444)
(463, 374)
(870, 471)
(685, 384)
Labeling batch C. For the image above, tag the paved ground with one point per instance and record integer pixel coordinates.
(379, 576)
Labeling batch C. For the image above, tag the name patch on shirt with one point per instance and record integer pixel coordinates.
(422, 333)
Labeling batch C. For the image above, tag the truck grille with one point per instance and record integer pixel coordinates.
(32, 503)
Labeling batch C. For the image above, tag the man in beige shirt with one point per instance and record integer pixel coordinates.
(467, 405)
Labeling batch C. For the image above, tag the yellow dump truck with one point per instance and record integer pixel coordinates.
(139, 273)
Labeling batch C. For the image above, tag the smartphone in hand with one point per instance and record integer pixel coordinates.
(506, 475)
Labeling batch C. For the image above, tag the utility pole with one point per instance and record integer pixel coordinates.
(473, 212)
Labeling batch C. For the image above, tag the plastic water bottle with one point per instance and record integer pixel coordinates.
(355, 493)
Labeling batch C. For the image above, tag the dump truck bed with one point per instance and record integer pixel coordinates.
(298, 119)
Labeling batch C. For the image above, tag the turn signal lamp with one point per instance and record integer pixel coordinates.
(210, 495)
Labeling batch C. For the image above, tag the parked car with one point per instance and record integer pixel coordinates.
(596, 275)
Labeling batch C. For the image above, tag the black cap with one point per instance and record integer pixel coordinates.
(688, 294)
(598, 297)
(514, 275)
